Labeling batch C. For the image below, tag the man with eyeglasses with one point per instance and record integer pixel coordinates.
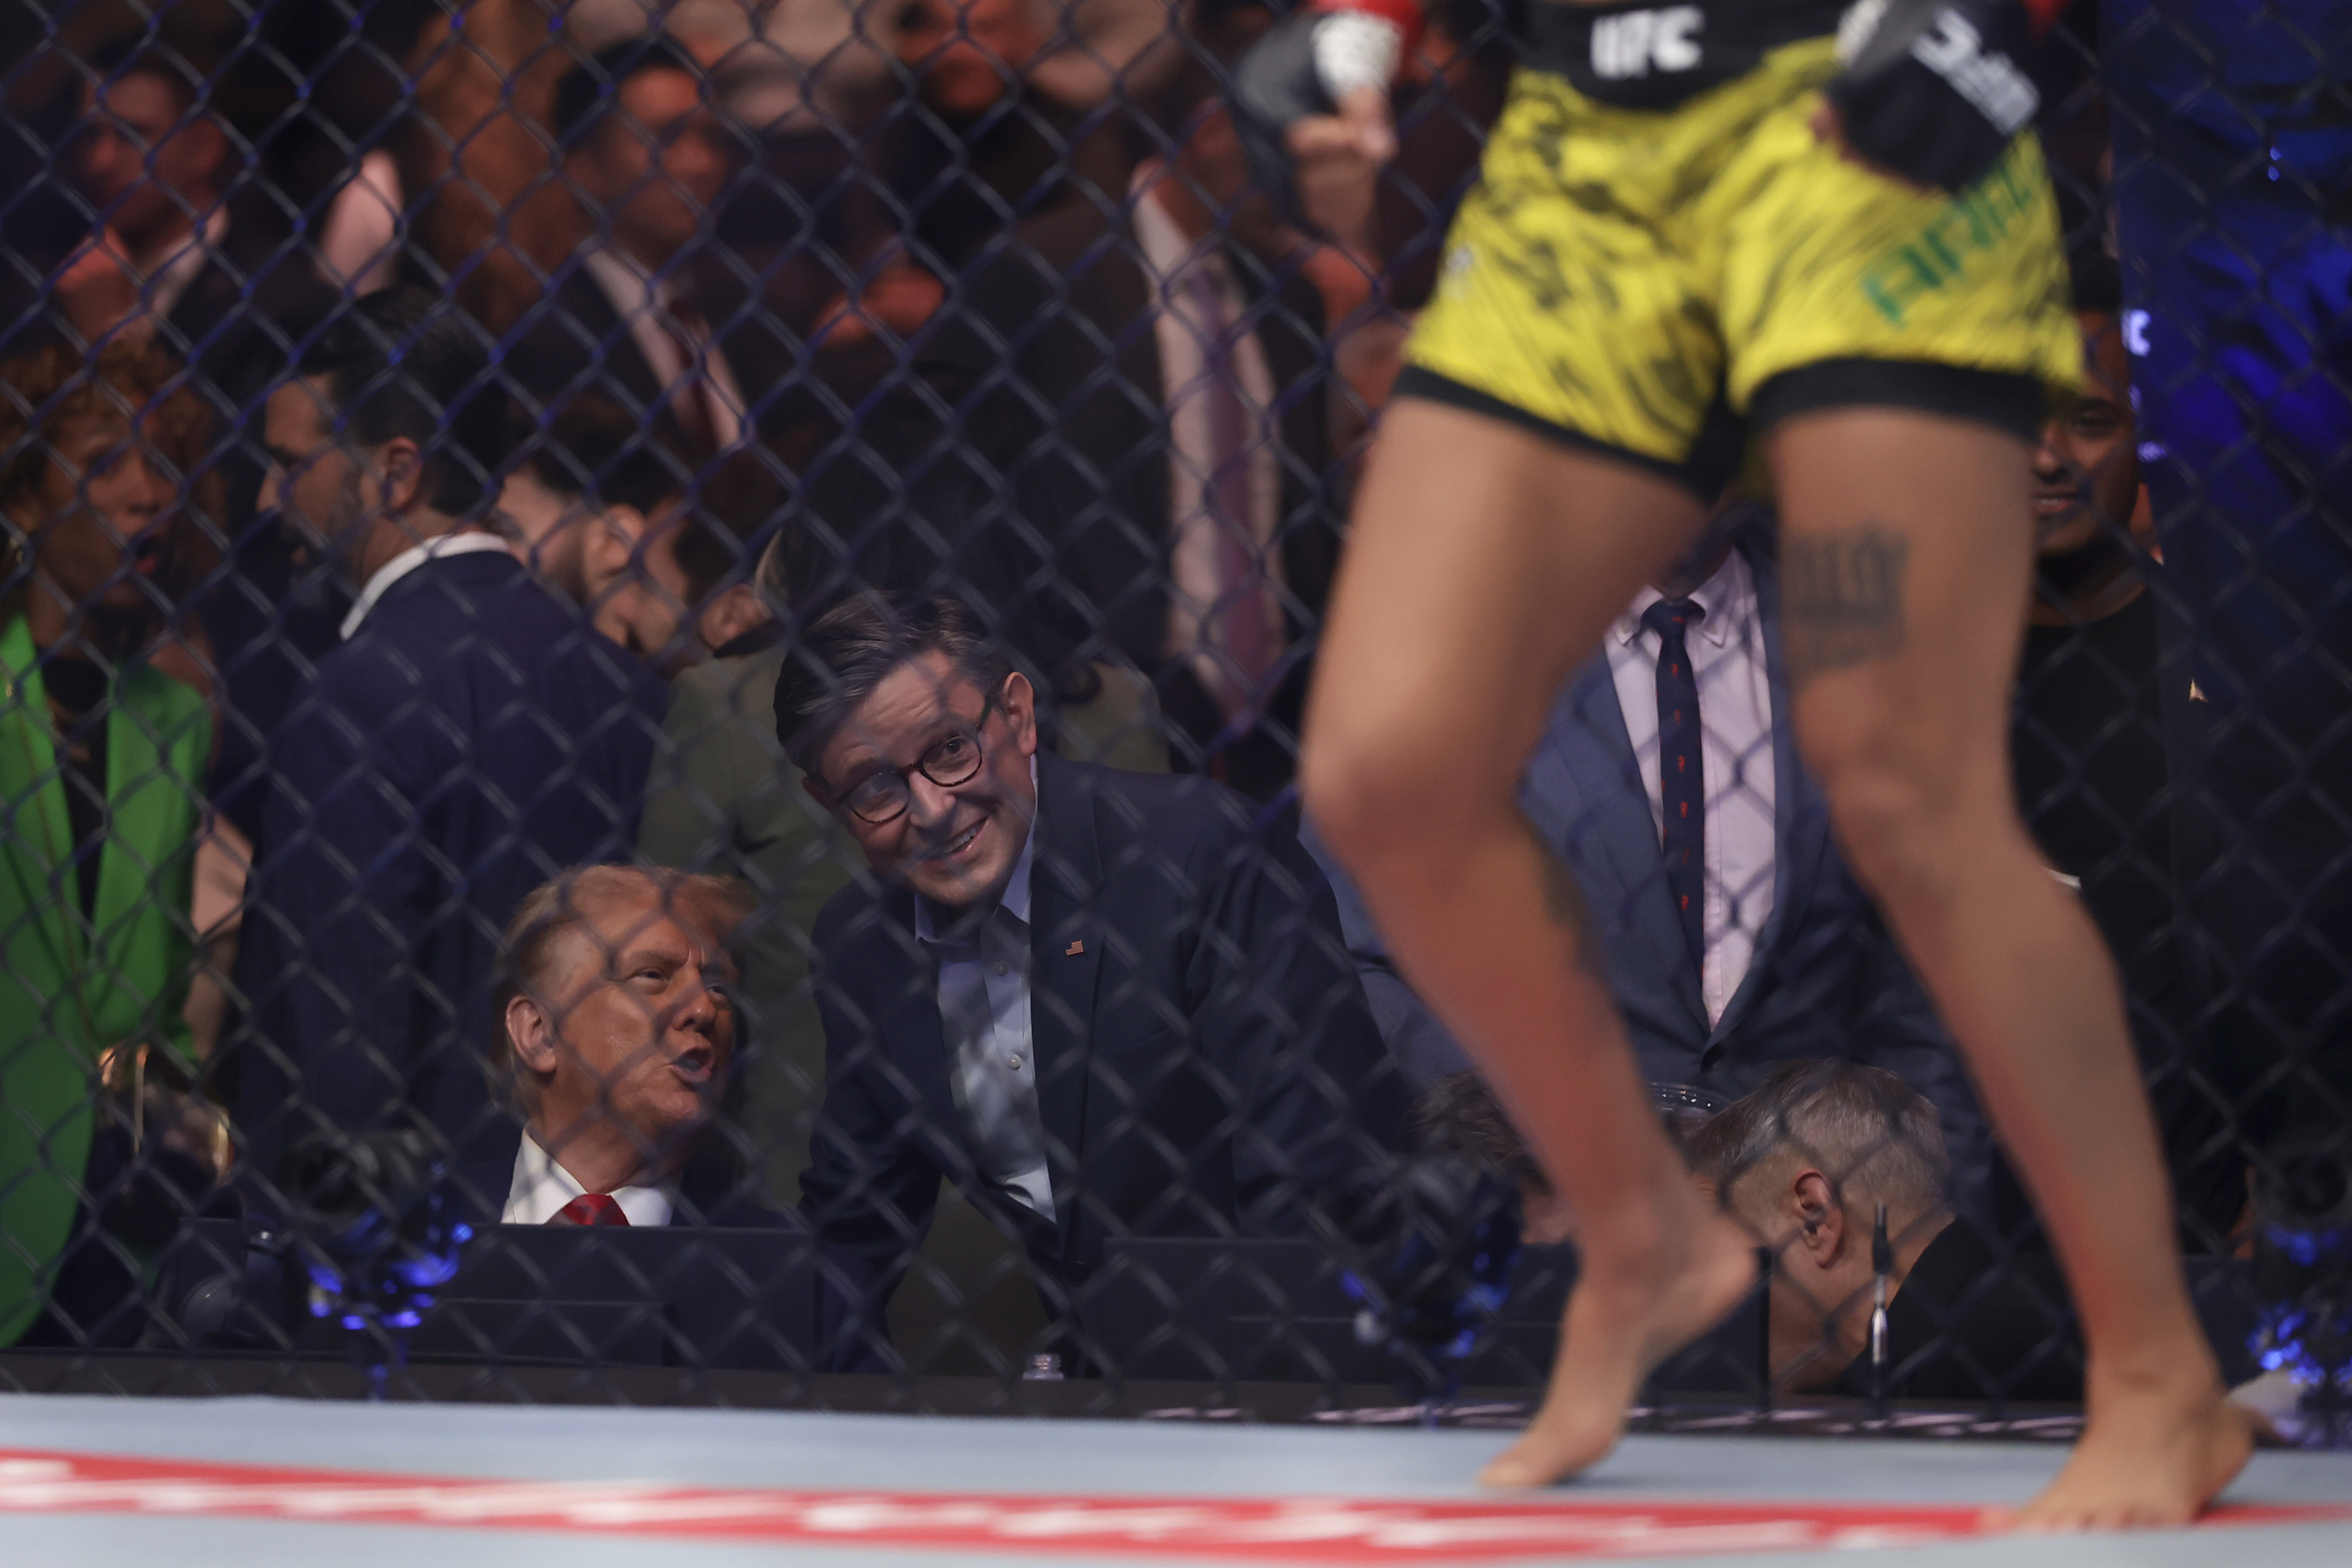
(1100, 1002)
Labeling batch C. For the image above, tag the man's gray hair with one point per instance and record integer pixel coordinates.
(1875, 1136)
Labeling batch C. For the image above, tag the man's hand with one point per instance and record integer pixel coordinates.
(1336, 162)
(1310, 101)
(97, 289)
(1933, 92)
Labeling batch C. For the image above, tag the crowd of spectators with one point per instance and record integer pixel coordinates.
(721, 622)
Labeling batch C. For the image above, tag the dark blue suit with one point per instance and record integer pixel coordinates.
(1825, 979)
(1203, 1059)
(472, 739)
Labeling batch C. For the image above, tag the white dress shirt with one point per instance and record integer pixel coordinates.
(408, 561)
(985, 1009)
(1169, 259)
(1734, 715)
(542, 1187)
(358, 245)
(643, 304)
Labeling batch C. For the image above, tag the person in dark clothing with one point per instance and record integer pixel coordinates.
(2104, 715)
(410, 811)
(1164, 431)
(1805, 1162)
(1100, 1003)
(644, 316)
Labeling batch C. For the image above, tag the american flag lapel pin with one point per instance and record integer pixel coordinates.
(1074, 950)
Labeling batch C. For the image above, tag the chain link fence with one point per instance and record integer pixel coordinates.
(490, 894)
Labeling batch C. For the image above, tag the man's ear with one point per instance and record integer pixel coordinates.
(1819, 1217)
(729, 615)
(399, 468)
(1020, 711)
(211, 142)
(532, 1034)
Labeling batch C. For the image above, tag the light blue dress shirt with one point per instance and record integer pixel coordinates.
(984, 1009)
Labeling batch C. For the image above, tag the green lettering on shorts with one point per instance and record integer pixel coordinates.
(1973, 224)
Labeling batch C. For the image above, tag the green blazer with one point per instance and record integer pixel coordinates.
(70, 987)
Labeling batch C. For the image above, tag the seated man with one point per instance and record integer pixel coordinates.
(1100, 1002)
(1668, 782)
(614, 1037)
(1804, 1162)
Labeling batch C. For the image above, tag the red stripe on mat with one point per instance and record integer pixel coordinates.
(1285, 1530)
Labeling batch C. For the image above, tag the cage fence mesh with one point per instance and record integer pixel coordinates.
(488, 886)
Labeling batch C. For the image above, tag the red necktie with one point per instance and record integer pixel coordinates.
(591, 1208)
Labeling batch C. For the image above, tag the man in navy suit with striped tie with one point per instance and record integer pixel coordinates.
(1667, 782)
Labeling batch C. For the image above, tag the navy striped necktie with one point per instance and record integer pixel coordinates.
(1682, 774)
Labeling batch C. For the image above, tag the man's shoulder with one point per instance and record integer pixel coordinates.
(1072, 258)
(453, 618)
(1141, 822)
(865, 913)
(743, 684)
(571, 316)
(465, 605)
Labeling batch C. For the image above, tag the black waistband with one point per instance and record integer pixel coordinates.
(1647, 55)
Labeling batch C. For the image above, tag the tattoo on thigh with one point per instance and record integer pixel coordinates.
(1842, 599)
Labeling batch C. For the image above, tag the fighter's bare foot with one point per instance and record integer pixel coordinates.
(2154, 1454)
(1623, 1319)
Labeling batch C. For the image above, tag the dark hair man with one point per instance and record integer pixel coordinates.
(410, 809)
(2106, 726)
(1099, 1002)
(1212, 450)
(152, 159)
(1804, 1162)
(581, 502)
(630, 316)
(695, 593)
(614, 1037)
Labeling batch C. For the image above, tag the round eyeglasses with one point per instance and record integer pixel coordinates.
(954, 759)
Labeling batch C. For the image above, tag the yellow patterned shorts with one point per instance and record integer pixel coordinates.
(1653, 282)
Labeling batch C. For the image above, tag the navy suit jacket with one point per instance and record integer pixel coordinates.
(475, 737)
(1205, 1055)
(1826, 979)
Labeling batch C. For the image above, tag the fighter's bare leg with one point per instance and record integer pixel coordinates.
(1483, 564)
(1906, 541)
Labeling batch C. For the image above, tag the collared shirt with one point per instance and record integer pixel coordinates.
(168, 274)
(1734, 715)
(1170, 260)
(542, 1187)
(408, 561)
(643, 304)
(985, 1011)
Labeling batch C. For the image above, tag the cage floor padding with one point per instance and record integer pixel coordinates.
(101, 1482)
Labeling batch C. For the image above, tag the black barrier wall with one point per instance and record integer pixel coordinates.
(655, 656)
